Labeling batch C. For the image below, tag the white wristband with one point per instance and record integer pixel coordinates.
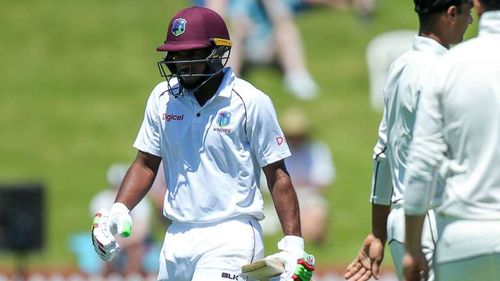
(291, 244)
(119, 208)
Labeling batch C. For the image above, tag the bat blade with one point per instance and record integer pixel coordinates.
(263, 269)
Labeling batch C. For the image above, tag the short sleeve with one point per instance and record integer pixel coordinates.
(148, 138)
(266, 138)
(381, 189)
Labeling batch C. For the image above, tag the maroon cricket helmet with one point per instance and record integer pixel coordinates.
(194, 28)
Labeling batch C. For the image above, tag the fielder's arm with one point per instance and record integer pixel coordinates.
(370, 256)
(138, 180)
(284, 197)
(380, 213)
(415, 266)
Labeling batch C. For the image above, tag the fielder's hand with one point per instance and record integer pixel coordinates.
(367, 263)
(299, 265)
(415, 267)
(106, 225)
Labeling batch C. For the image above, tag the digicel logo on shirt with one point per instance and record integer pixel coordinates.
(172, 117)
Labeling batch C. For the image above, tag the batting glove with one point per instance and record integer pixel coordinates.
(106, 225)
(299, 265)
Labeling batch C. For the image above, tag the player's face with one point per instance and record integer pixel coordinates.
(464, 18)
(191, 62)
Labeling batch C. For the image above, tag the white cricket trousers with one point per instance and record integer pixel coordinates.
(210, 251)
(396, 238)
(468, 250)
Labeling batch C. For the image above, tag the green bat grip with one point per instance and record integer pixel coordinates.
(127, 229)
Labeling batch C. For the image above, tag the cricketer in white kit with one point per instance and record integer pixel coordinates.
(440, 26)
(214, 133)
(457, 135)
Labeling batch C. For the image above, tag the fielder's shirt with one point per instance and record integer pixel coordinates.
(407, 75)
(458, 130)
(457, 133)
(212, 154)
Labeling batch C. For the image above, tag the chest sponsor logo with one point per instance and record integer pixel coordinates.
(172, 117)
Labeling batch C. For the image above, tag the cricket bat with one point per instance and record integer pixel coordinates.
(263, 269)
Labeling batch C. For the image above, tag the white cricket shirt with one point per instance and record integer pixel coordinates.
(457, 131)
(212, 154)
(406, 77)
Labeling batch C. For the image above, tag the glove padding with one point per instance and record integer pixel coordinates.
(299, 265)
(106, 225)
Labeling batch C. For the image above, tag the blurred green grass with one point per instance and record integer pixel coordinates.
(75, 77)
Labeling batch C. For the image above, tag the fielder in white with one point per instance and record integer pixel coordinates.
(442, 23)
(457, 135)
(214, 133)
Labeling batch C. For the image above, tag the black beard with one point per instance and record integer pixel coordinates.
(193, 85)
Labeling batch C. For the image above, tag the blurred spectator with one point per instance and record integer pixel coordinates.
(262, 31)
(312, 171)
(381, 52)
(130, 260)
(363, 8)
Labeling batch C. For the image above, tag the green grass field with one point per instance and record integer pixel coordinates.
(75, 76)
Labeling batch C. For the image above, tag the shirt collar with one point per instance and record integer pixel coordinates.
(428, 45)
(489, 23)
(227, 84)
